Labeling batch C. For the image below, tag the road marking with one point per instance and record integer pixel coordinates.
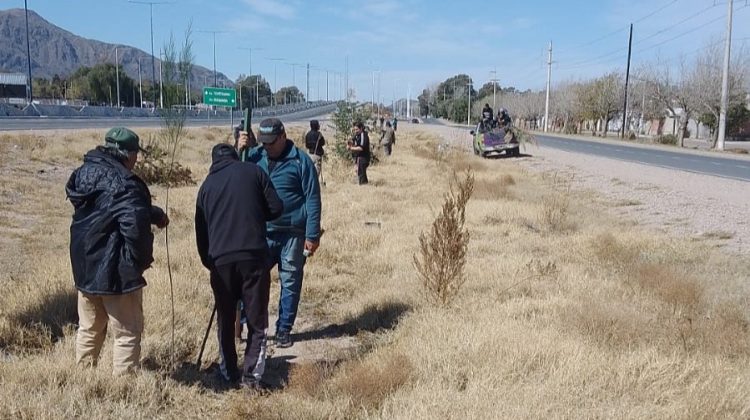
(716, 163)
(676, 157)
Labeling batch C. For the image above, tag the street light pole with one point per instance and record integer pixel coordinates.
(153, 58)
(275, 85)
(28, 51)
(216, 83)
(117, 76)
(161, 91)
(250, 49)
(140, 81)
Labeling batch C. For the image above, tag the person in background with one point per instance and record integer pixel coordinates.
(388, 138)
(359, 146)
(314, 142)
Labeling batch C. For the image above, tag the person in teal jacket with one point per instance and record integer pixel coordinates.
(295, 235)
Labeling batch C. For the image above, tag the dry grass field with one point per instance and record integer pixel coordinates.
(566, 312)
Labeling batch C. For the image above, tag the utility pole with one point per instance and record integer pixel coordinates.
(307, 84)
(549, 81)
(117, 76)
(627, 81)
(153, 58)
(725, 83)
(494, 86)
(468, 113)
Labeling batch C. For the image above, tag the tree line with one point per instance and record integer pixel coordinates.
(690, 90)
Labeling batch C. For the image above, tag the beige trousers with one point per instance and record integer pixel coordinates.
(125, 316)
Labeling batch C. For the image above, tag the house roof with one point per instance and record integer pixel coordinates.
(13, 79)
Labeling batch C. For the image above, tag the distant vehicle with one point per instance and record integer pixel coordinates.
(415, 120)
(493, 141)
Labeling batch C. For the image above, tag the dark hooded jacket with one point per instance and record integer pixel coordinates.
(111, 243)
(233, 205)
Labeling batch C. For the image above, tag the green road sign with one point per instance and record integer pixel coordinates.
(219, 96)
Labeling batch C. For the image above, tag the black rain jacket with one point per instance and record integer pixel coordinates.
(111, 243)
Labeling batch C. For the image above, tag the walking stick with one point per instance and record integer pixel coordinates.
(205, 338)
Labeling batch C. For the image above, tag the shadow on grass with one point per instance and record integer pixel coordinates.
(374, 317)
(50, 314)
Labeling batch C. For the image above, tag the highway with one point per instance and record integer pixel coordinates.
(77, 123)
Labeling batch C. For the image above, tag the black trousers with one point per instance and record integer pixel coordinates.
(362, 164)
(249, 281)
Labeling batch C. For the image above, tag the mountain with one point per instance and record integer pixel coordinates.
(57, 51)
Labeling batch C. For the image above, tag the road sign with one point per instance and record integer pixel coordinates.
(219, 96)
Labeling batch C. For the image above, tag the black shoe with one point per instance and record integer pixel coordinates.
(251, 385)
(283, 339)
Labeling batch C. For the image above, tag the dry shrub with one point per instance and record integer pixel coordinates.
(682, 293)
(368, 384)
(308, 378)
(442, 255)
(429, 151)
(25, 142)
(611, 326)
(556, 205)
(612, 253)
(494, 189)
(153, 167)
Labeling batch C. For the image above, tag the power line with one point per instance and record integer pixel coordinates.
(624, 28)
(686, 32)
(597, 60)
(676, 24)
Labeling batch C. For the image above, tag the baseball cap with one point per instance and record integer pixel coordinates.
(269, 129)
(223, 151)
(123, 139)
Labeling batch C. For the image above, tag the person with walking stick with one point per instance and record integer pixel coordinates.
(234, 203)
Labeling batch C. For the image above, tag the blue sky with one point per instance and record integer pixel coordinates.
(412, 43)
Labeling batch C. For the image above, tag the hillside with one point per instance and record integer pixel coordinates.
(57, 51)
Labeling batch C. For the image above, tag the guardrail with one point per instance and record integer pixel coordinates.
(37, 110)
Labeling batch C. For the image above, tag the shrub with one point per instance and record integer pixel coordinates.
(153, 167)
(442, 250)
(343, 120)
(670, 139)
(570, 129)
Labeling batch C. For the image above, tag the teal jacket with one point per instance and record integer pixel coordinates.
(296, 183)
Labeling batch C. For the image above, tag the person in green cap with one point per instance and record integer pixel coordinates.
(111, 245)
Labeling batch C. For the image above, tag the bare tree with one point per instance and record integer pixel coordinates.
(705, 83)
(565, 113)
(675, 94)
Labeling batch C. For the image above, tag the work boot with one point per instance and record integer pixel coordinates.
(283, 339)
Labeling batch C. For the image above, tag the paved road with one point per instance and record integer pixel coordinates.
(710, 165)
(725, 167)
(67, 123)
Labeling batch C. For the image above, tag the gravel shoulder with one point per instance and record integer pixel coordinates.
(695, 206)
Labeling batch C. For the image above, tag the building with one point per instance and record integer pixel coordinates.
(13, 88)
